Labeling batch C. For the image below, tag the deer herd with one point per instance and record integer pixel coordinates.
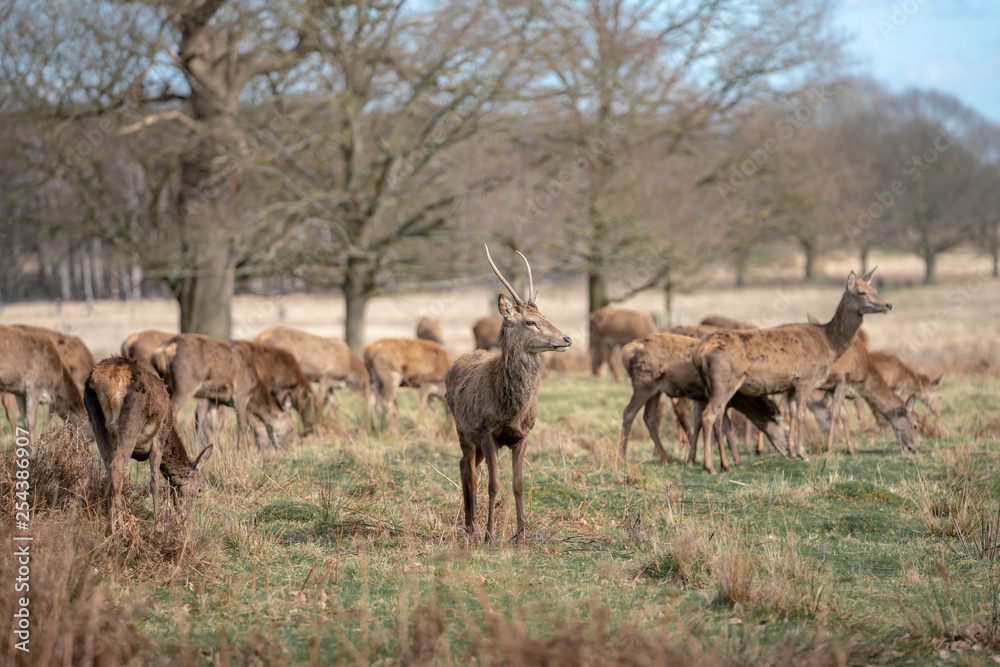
(764, 381)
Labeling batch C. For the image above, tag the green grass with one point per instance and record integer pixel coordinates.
(348, 549)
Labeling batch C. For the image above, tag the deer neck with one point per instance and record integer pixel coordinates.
(520, 374)
(840, 331)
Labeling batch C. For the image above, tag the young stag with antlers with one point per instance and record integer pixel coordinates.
(794, 358)
(494, 398)
(131, 416)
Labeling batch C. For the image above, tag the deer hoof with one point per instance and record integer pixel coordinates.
(726, 468)
(710, 470)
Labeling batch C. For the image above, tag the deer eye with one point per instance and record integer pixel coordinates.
(530, 323)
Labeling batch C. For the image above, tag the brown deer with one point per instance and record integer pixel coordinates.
(73, 352)
(690, 330)
(140, 346)
(723, 322)
(428, 328)
(198, 366)
(327, 361)
(661, 364)
(486, 331)
(794, 358)
(610, 328)
(130, 413)
(905, 380)
(406, 362)
(32, 370)
(493, 397)
(854, 371)
(282, 378)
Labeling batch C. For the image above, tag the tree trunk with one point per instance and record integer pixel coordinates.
(358, 287)
(668, 299)
(740, 264)
(864, 259)
(930, 258)
(810, 251)
(597, 295)
(206, 296)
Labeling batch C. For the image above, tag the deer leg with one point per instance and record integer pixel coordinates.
(838, 403)
(800, 418)
(155, 457)
(28, 406)
(680, 406)
(718, 436)
(759, 449)
(8, 407)
(517, 484)
(730, 431)
(651, 417)
(699, 409)
(859, 409)
(493, 469)
(638, 399)
(471, 455)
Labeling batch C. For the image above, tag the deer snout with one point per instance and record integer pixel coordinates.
(568, 340)
(888, 306)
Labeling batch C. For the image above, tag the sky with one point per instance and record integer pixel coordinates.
(949, 45)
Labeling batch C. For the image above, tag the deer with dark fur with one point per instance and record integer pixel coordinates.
(493, 397)
(198, 366)
(32, 370)
(661, 364)
(131, 416)
(794, 358)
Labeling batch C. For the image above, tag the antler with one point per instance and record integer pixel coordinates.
(532, 294)
(506, 284)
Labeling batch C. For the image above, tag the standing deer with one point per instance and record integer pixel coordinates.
(610, 328)
(140, 346)
(661, 364)
(32, 370)
(486, 331)
(198, 366)
(428, 328)
(131, 416)
(794, 358)
(407, 362)
(327, 361)
(73, 352)
(493, 397)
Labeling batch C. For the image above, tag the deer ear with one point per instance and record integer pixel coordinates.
(506, 306)
(910, 402)
(851, 279)
(937, 381)
(205, 455)
(868, 276)
(812, 319)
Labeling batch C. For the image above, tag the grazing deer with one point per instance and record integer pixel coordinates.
(905, 380)
(140, 346)
(327, 361)
(32, 370)
(486, 331)
(407, 362)
(610, 328)
(73, 352)
(130, 413)
(428, 328)
(493, 397)
(198, 366)
(794, 358)
(282, 378)
(854, 371)
(690, 330)
(661, 364)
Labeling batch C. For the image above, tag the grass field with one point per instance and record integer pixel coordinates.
(347, 549)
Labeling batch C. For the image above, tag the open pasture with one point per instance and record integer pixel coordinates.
(349, 547)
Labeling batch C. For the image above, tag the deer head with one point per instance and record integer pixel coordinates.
(522, 321)
(906, 426)
(184, 487)
(864, 297)
(930, 394)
